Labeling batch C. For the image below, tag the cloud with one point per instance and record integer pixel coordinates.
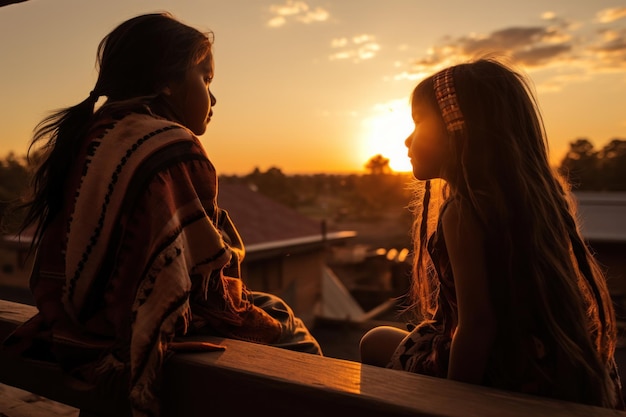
(362, 39)
(317, 15)
(611, 15)
(541, 55)
(612, 41)
(339, 42)
(358, 48)
(560, 80)
(572, 48)
(530, 46)
(298, 11)
(610, 50)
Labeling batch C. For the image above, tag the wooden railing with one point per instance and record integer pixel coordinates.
(251, 379)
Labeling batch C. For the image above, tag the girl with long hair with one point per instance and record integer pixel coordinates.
(507, 294)
(132, 250)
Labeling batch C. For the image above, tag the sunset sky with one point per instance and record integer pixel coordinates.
(321, 86)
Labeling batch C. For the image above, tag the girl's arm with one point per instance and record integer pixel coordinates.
(473, 339)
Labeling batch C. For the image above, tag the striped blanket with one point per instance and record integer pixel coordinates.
(140, 255)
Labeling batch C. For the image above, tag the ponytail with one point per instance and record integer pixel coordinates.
(135, 61)
(61, 134)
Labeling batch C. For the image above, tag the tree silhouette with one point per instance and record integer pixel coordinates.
(580, 165)
(603, 170)
(273, 182)
(378, 165)
(612, 161)
(14, 180)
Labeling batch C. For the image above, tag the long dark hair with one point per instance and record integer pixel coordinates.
(542, 276)
(135, 61)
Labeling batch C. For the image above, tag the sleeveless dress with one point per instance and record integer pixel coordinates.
(426, 349)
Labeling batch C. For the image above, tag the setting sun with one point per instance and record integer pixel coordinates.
(385, 132)
(331, 83)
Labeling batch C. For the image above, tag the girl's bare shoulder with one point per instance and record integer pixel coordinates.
(460, 222)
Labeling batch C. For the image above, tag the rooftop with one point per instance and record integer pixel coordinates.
(260, 219)
(602, 215)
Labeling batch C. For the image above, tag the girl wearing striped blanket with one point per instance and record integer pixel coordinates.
(132, 250)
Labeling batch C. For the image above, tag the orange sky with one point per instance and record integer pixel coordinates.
(321, 86)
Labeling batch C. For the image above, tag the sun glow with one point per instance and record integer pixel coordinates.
(385, 132)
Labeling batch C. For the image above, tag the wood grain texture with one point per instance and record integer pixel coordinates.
(249, 378)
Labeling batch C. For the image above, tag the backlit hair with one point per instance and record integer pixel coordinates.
(135, 61)
(538, 264)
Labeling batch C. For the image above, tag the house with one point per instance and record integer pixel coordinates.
(285, 251)
(603, 224)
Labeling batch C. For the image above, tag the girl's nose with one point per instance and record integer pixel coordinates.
(407, 142)
(213, 99)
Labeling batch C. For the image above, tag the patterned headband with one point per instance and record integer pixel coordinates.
(448, 101)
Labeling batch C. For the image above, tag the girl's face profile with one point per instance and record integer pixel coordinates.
(191, 98)
(428, 143)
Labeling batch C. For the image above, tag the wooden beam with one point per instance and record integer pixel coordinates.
(249, 378)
